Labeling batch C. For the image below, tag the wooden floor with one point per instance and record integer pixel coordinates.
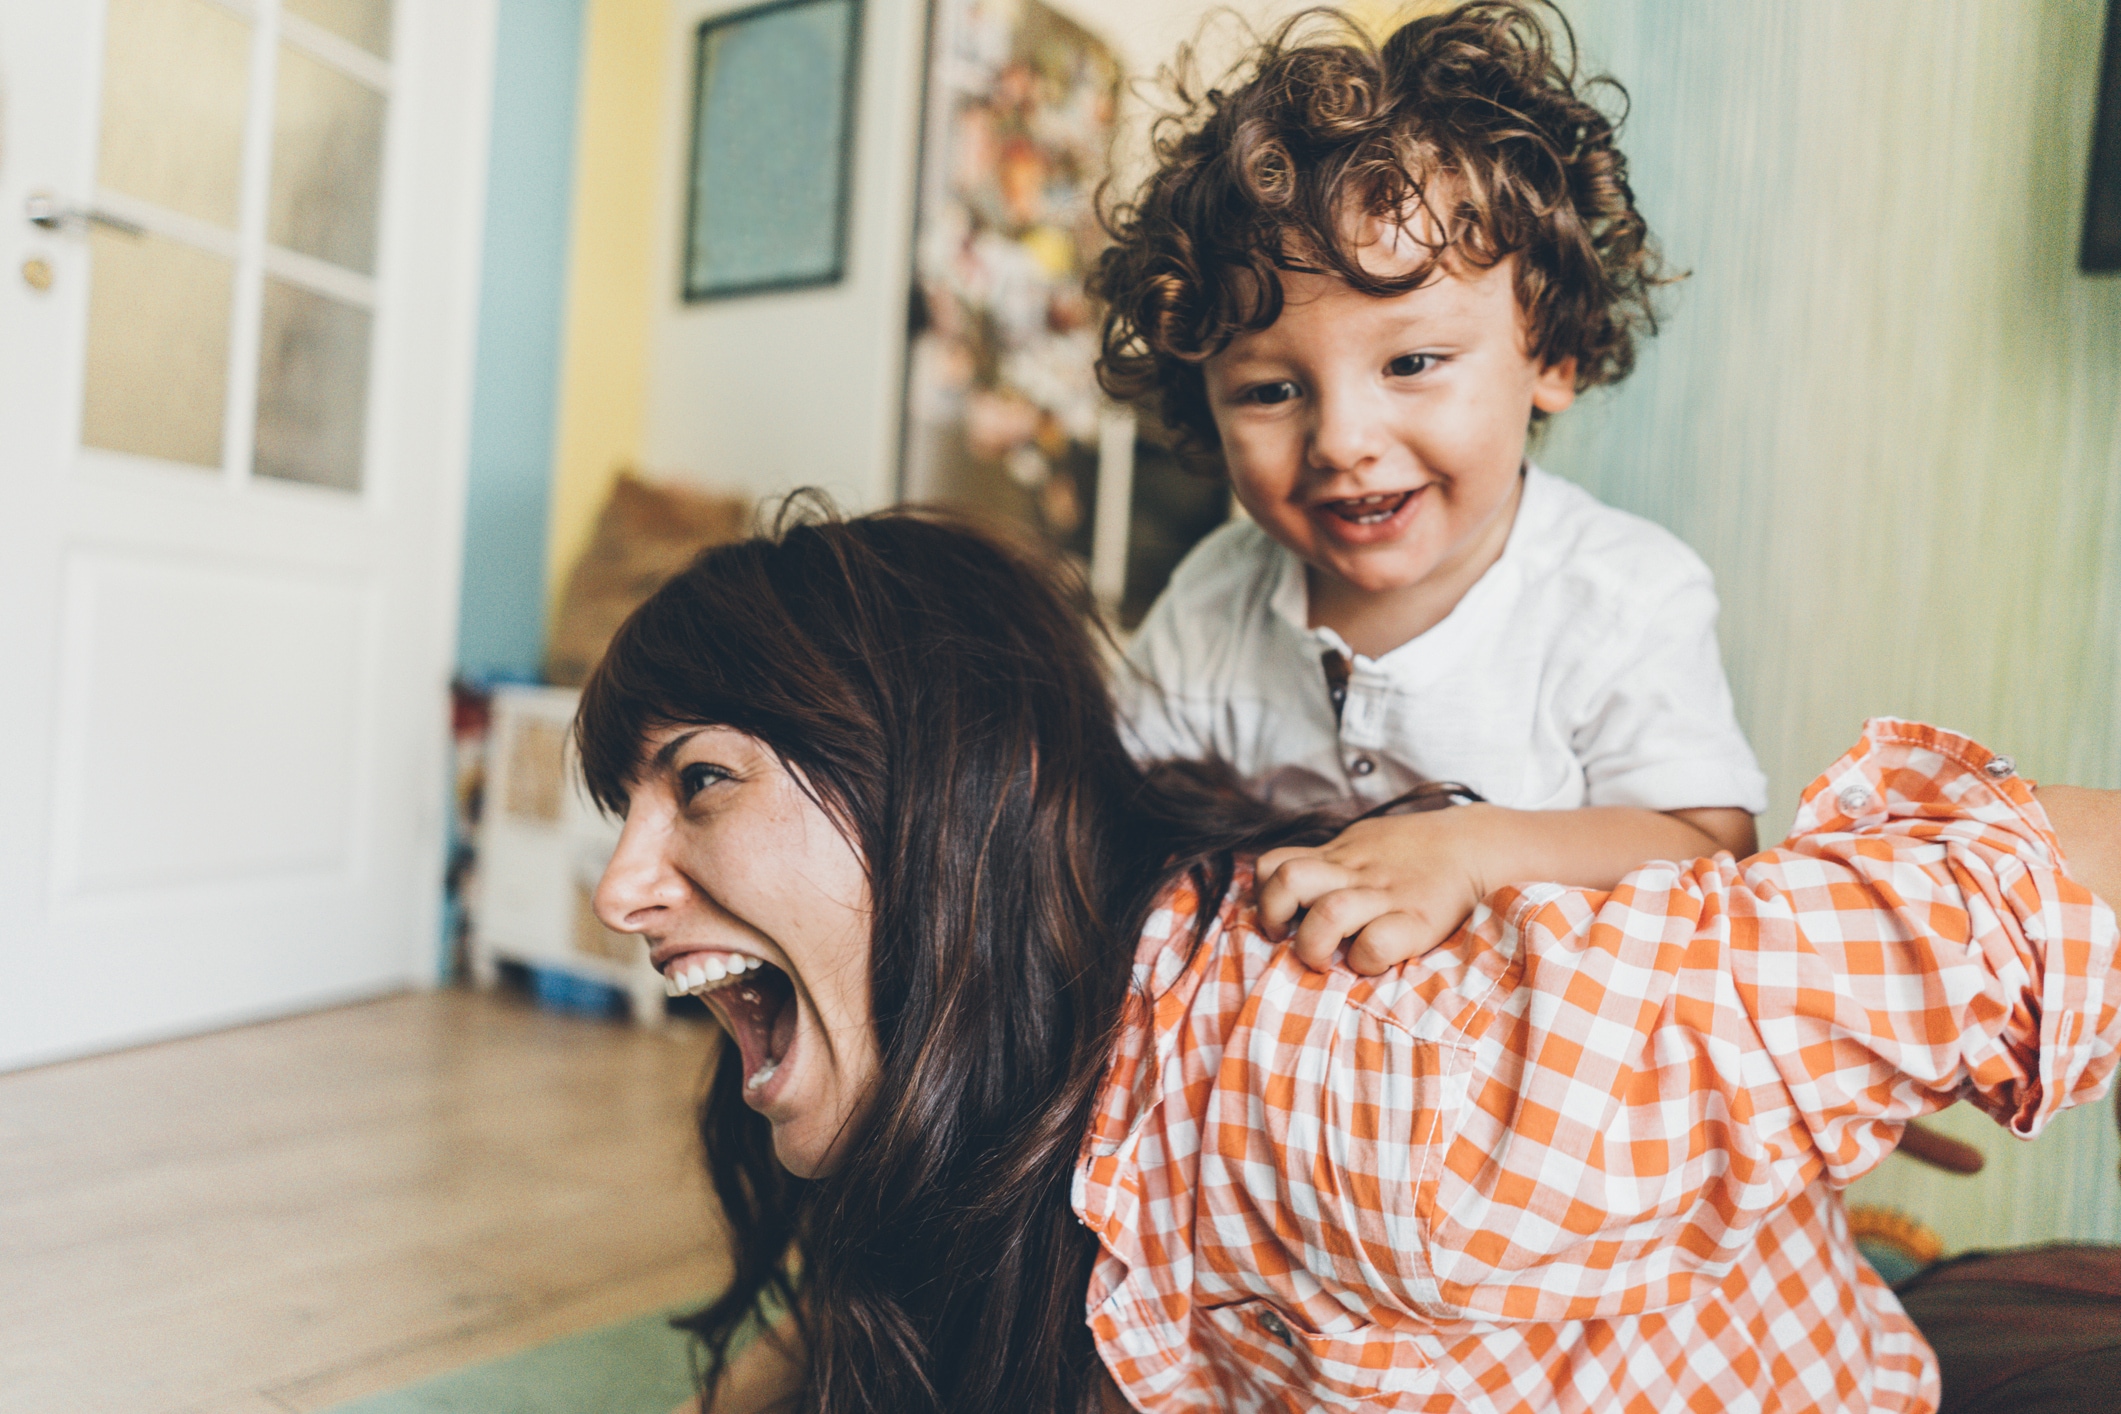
(289, 1215)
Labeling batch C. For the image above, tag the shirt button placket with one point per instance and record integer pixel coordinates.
(1358, 729)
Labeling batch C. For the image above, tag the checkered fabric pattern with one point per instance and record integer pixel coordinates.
(1589, 1154)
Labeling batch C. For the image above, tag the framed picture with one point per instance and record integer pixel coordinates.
(1002, 406)
(2102, 198)
(772, 145)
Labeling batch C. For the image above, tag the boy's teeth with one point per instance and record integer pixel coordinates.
(1368, 510)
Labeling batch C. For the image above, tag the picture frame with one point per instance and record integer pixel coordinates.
(774, 92)
(1002, 414)
(2100, 252)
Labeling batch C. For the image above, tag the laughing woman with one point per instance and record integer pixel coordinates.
(1024, 1110)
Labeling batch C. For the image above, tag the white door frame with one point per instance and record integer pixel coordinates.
(60, 507)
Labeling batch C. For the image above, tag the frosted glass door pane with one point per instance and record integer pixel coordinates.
(365, 22)
(327, 163)
(157, 374)
(175, 76)
(312, 388)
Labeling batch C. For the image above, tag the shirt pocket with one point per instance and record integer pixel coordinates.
(1391, 1101)
(1355, 1366)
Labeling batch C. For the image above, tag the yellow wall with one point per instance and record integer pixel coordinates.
(610, 279)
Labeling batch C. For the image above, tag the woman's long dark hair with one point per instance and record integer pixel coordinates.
(943, 696)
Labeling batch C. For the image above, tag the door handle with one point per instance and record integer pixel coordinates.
(48, 212)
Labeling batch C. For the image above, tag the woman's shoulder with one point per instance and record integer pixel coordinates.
(1177, 945)
(1177, 955)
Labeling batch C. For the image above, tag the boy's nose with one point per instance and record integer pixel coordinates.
(1345, 433)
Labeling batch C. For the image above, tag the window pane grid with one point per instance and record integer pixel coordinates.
(295, 308)
(325, 47)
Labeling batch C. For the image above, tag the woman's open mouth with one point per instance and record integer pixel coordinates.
(755, 1002)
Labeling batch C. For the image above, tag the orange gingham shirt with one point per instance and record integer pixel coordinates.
(1589, 1154)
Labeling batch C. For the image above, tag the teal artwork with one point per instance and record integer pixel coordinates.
(773, 115)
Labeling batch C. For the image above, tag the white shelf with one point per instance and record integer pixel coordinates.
(542, 846)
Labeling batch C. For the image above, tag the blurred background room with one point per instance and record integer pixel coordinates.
(362, 362)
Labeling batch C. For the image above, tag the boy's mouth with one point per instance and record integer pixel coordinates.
(755, 1002)
(1362, 514)
(1369, 510)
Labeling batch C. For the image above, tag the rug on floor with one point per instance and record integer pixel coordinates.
(634, 1367)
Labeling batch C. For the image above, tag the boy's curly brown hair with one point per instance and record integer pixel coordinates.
(1469, 128)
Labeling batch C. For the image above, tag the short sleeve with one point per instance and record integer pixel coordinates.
(1657, 729)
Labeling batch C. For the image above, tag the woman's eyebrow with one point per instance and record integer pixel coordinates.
(662, 759)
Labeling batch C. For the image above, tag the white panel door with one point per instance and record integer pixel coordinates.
(236, 322)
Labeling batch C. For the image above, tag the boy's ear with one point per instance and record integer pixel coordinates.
(1555, 387)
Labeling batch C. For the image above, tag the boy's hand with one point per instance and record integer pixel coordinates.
(1394, 887)
(1390, 888)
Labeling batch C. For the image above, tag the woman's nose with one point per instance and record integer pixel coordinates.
(639, 885)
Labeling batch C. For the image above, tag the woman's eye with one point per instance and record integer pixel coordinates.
(697, 777)
(1408, 365)
(1268, 394)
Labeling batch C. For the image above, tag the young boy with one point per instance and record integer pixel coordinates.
(1356, 280)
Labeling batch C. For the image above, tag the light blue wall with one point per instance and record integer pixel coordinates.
(501, 631)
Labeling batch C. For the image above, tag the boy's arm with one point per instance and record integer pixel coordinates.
(1725, 827)
(2087, 825)
(1395, 887)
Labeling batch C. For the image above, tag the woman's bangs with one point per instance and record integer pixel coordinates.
(663, 669)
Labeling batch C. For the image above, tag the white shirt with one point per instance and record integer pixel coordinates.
(1581, 669)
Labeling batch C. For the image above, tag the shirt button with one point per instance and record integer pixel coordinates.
(1853, 801)
(2000, 766)
(1273, 1325)
(1361, 766)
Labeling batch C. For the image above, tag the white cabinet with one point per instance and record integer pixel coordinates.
(542, 846)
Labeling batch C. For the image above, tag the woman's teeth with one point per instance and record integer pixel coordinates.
(701, 973)
(764, 1073)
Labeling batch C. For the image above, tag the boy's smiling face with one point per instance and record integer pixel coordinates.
(1380, 438)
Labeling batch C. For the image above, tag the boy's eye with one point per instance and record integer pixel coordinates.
(1407, 365)
(1268, 394)
(697, 777)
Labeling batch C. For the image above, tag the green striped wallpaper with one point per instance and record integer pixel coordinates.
(1887, 409)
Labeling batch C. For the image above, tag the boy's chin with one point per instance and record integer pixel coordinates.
(1387, 567)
